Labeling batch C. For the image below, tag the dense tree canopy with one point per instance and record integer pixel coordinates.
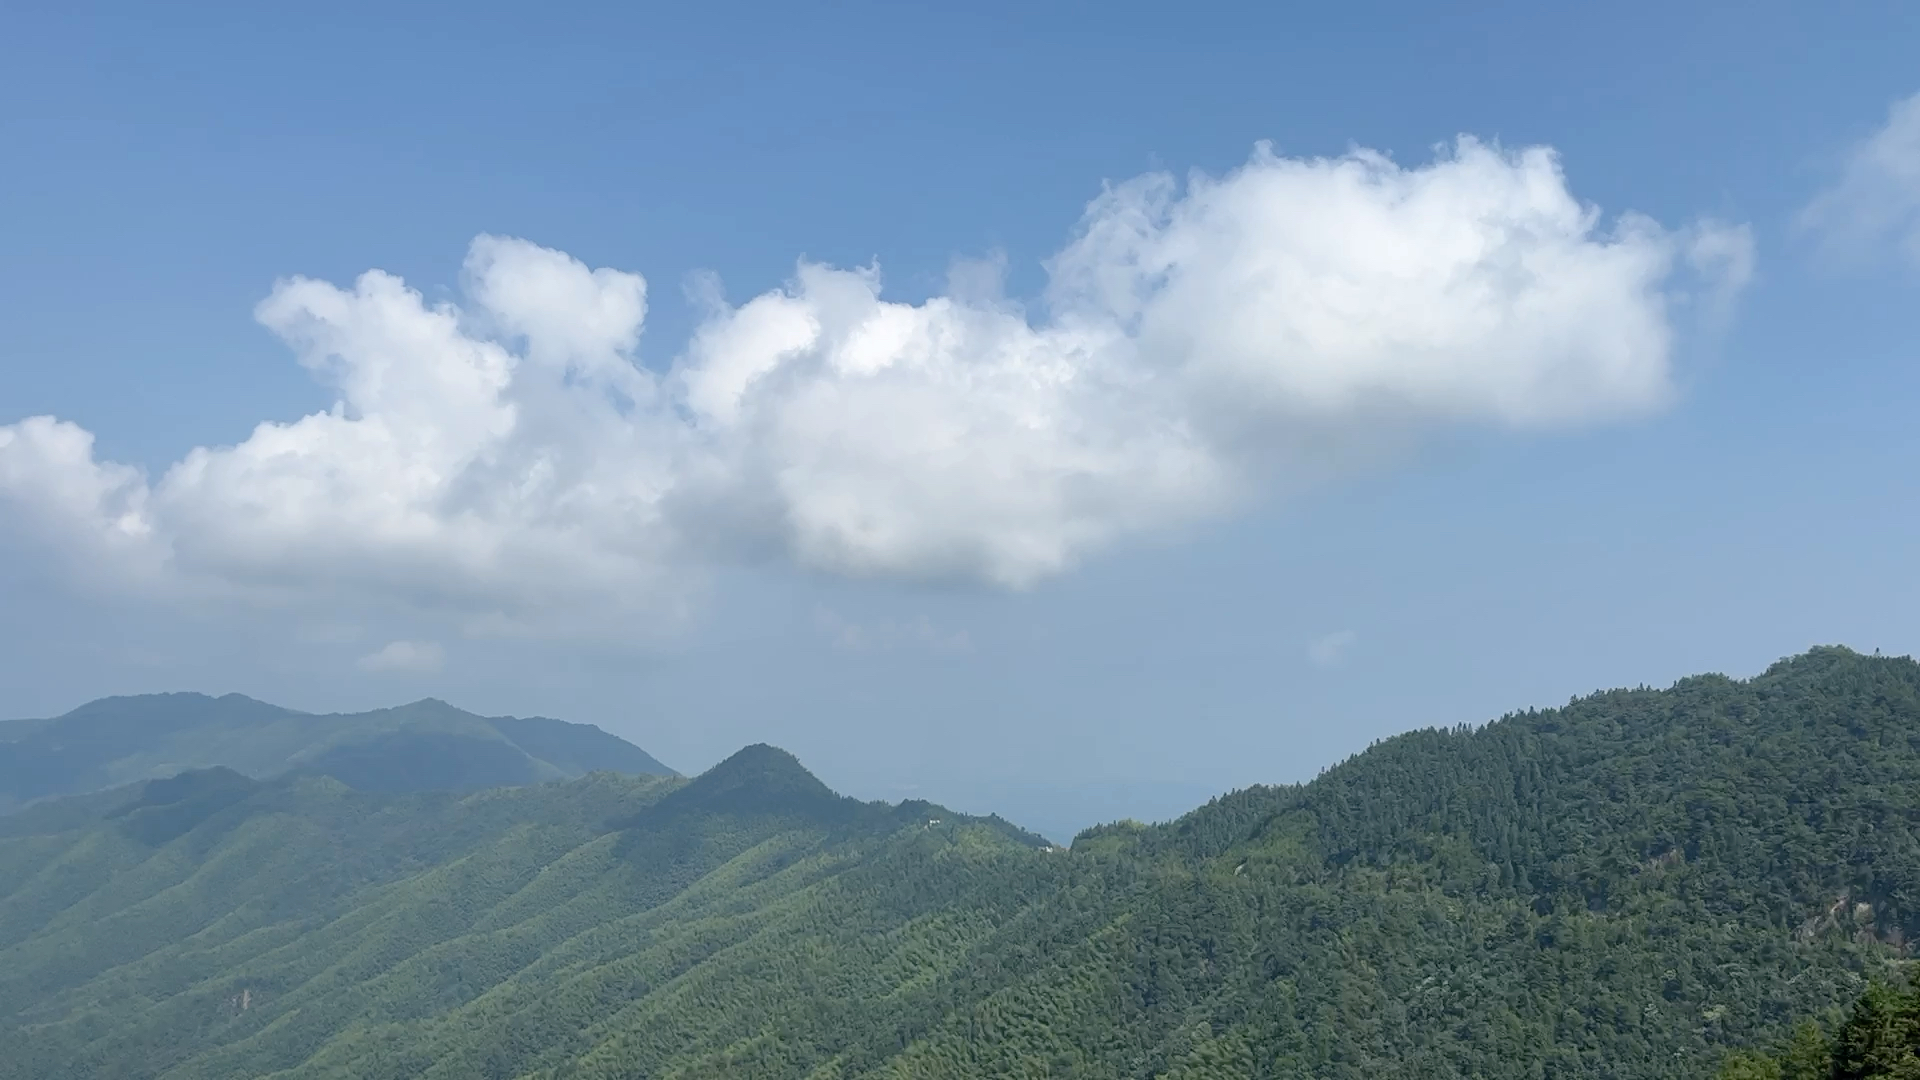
(1633, 886)
(1878, 1039)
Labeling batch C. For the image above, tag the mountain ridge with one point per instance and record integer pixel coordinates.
(1630, 886)
(116, 740)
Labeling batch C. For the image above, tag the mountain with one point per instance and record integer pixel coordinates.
(423, 746)
(1628, 887)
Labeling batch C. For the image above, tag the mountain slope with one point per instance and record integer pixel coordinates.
(304, 925)
(1623, 887)
(423, 746)
(1626, 887)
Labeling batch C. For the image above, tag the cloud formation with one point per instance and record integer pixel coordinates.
(1330, 649)
(1876, 201)
(509, 459)
(916, 634)
(405, 657)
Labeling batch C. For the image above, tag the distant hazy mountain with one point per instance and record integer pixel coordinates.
(428, 745)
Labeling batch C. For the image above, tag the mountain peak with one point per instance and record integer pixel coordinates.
(429, 709)
(435, 705)
(765, 764)
(134, 716)
(758, 778)
(119, 702)
(762, 753)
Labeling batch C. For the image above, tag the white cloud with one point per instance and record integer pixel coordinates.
(916, 634)
(47, 470)
(405, 657)
(1330, 650)
(509, 461)
(1877, 197)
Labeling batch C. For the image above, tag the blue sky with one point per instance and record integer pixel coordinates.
(1476, 544)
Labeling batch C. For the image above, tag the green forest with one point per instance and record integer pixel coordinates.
(1720, 878)
(1877, 1039)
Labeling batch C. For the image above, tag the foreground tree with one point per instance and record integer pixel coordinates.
(1879, 1040)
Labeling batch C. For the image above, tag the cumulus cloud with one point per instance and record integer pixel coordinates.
(1328, 650)
(1199, 343)
(1876, 200)
(48, 472)
(405, 657)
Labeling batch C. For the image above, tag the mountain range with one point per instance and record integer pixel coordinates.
(1633, 886)
(428, 745)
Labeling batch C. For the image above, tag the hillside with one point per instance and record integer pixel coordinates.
(428, 745)
(1629, 886)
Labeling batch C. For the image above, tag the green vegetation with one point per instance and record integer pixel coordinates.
(1879, 1039)
(1633, 886)
(428, 745)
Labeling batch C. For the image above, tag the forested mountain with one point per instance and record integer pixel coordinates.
(428, 745)
(1629, 886)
